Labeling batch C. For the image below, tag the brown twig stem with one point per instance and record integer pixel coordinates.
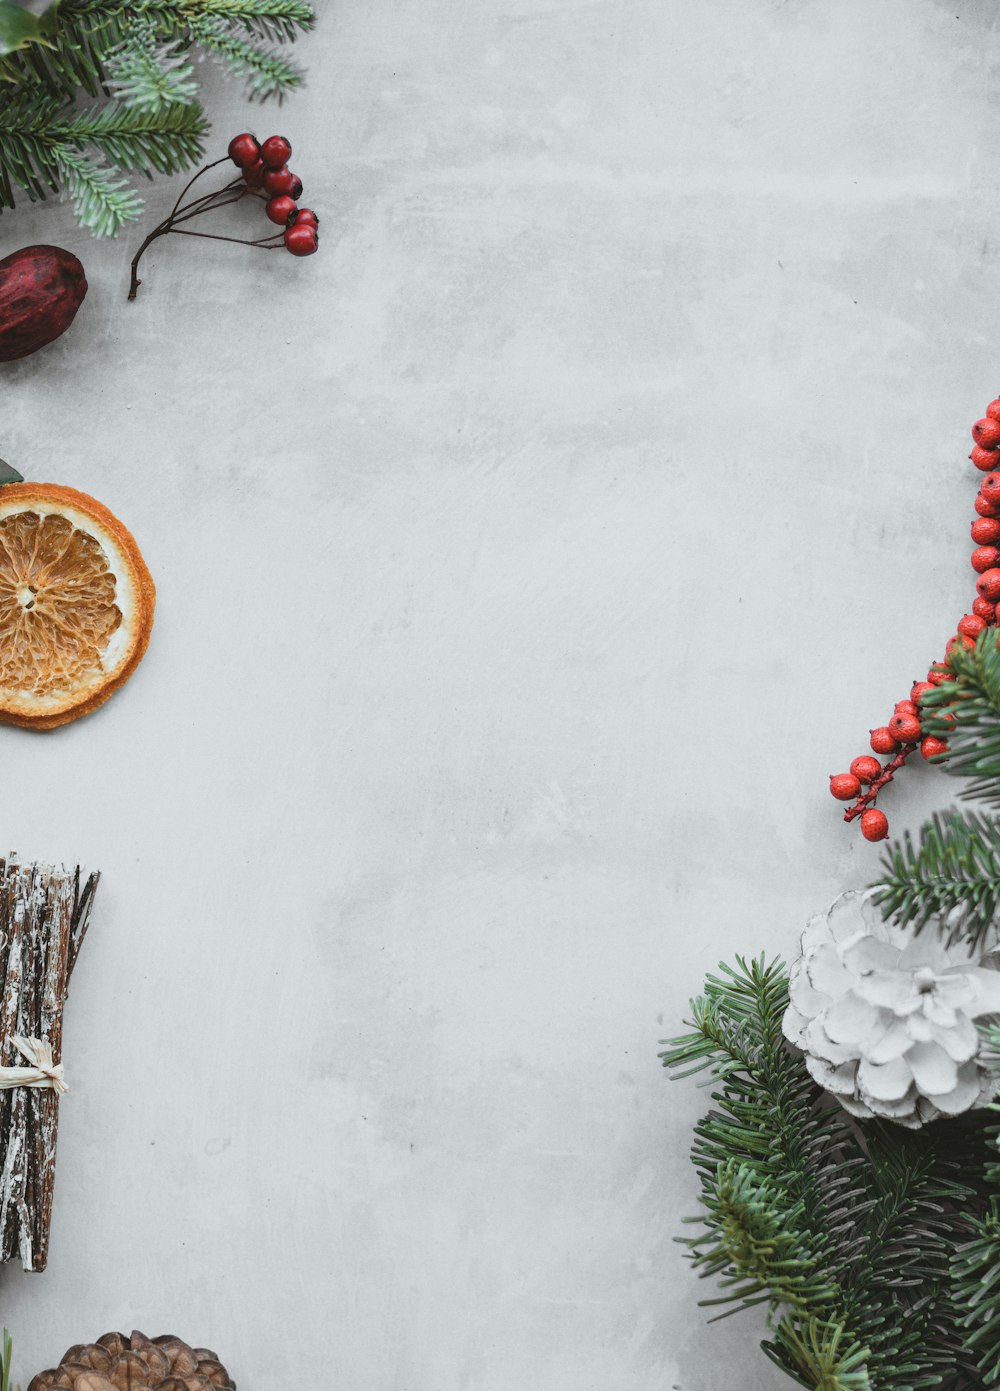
(232, 192)
(886, 776)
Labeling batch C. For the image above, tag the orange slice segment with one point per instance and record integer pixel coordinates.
(76, 604)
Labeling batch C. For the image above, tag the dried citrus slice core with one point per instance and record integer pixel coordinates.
(76, 604)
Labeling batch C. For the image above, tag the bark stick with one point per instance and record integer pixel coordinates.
(44, 913)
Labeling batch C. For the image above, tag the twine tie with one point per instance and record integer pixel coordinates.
(42, 1072)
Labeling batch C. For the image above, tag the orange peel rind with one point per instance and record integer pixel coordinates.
(76, 604)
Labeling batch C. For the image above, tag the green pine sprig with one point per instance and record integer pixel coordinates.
(133, 60)
(845, 1233)
(950, 872)
(965, 713)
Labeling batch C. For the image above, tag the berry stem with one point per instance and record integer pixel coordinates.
(886, 776)
(232, 192)
(192, 181)
(267, 243)
(196, 209)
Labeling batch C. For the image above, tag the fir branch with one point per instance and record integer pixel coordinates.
(143, 75)
(952, 872)
(818, 1354)
(265, 71)
(42, 136)
(965, 713)
(846, 1233)
(132, 57)
(103, 202)
(977, 1290)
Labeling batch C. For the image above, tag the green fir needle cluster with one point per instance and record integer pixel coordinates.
(93, 92)
(874, 1249)
(863, 1242)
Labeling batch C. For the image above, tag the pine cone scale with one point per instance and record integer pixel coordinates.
(116, 1363)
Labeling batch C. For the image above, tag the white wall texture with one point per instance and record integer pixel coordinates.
(526, 561)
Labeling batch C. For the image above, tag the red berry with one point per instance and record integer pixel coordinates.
(905, 707)
(303, 241)
(275, 151)
(883, 740)
(985, 459)
(296, 189)
(905, 728)
(866, 768)
(986, 432)
(308, 218)
(971, 625)
(990, 486)
(278, 181)
(844, 786)
(984, 507)
(985, 558)
(985, 531)
(988, 585)
(918, 689)
(959, 640)
(244, 150)
(939, 674)
(993, 409)
(281, 208)
(874, 824)
(254, 173)
(931, 747)
(982, 608)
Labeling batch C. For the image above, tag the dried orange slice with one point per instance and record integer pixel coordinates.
(76, 604)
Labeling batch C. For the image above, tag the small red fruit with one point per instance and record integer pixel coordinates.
(984, 507)
(985, 558)
(931, 747)
(844, 786)
(986, 432)
(865, 768)
(254, 173)
(275, 151)
(985, 459)
(985, 531)
(982, 608)
(905, 707)
(303, 241)
(905, 728)
(883, 740)
(41, 288)
(308, 218)
(918, 689)
(939, 674)
(971, 625)
(990, 486)
(874, 824)
(993, 409)
(278, 181)
(243, 149)
(281, 208)
(988, 585)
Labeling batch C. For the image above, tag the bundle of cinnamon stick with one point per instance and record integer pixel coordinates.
(44, 913)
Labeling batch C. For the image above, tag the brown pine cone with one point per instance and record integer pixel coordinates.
(117, 1363)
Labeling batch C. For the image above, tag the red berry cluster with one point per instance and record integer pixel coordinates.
(265, 176)
(902, 735)
(265, 166)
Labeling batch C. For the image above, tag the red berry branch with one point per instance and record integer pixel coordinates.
(902, 735)
(265, 177)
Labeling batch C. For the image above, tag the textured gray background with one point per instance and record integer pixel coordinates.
(526, 561)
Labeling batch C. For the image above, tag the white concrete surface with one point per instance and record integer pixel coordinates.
(526, 561)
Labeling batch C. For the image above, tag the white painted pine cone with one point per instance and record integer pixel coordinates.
(885, 1017)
